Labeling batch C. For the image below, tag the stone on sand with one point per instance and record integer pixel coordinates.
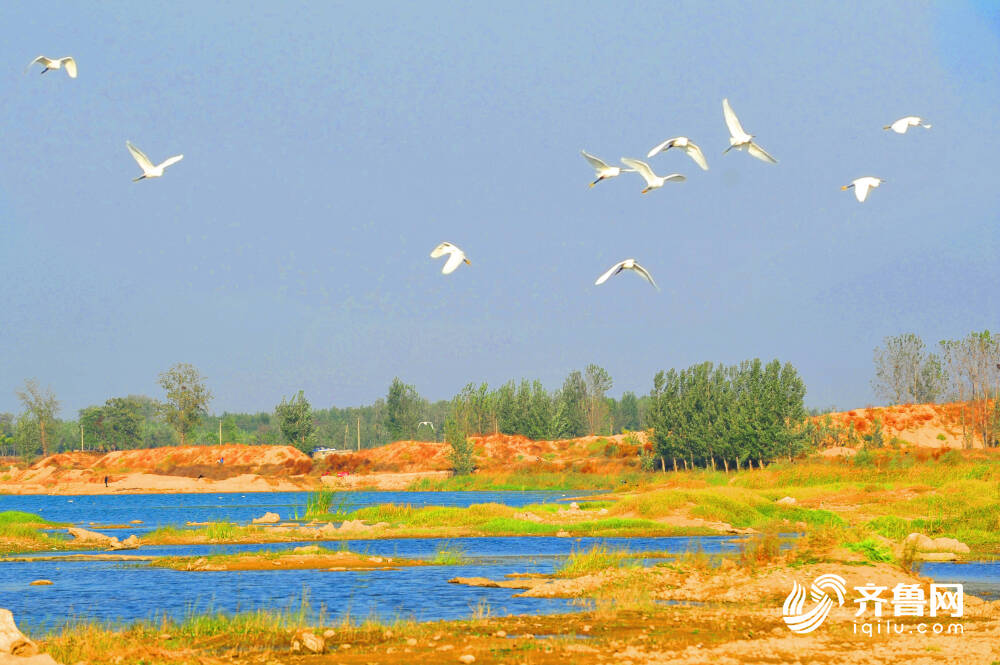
(12, 640)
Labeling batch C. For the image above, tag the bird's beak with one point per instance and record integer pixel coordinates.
(468, 261)
(887, 127)
(843, 188)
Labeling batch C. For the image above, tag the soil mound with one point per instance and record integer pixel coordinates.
(920, 425)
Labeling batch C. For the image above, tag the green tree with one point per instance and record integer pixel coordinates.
(7, 435)
(598, 384)
(93, 428)
(187, 398)
(707, 413)
(231, 431)
(295, 417)
(461, 456)
(570, 419)
(27, 436)
(121, 423)
(505, 405)
(43, 406)
(402, 411)
(627, 413)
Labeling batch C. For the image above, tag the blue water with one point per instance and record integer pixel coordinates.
(979, 578)
(117, 591)
(156, 510)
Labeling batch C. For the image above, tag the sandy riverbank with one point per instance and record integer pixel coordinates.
(150, 483)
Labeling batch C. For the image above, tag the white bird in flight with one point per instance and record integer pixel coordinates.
(739, 139)
(901, 125)
(602, 169)
(627, 264)
(58, 63)
(653, 181)
(456, 258)
(683, 142)
(863, 185)
(148, 170)
(426, 422)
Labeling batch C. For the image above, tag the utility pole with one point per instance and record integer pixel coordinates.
(359, 434)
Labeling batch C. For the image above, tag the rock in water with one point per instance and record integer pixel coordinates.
(85, 536)
(267, 518)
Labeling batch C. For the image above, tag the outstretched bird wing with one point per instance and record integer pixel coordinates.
(140, 157)
(42, 59)
(611, 271)
(442, 249)
(645, 275)
(642, 168)
(760, 153)
(861, 189)
(695, 153)
(453, 261)
(732, 122)
(172, 160)
(666, 145)
(597, 163)
(70, 65)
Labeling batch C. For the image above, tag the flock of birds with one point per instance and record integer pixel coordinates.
(738, 138)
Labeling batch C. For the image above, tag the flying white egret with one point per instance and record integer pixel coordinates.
(901, 125)
(739, 139)
(627, 264)
(653, 181)
(863, 185)
(426, 422)
(58, 63)
(148, 170)
(456, 258)
(684, 143)
(602, 169)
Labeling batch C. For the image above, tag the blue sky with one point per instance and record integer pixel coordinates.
(330, 146)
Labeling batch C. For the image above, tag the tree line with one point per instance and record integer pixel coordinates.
(705, 415)
(182, 417)
(716, 416)
(965, 370)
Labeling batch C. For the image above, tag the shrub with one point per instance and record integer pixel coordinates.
(461, 456)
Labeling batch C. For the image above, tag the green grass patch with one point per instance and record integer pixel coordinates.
(22, 532)
(524, 481)
(18, 517)
(594, 560)
(871, 549)
(449, 554)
